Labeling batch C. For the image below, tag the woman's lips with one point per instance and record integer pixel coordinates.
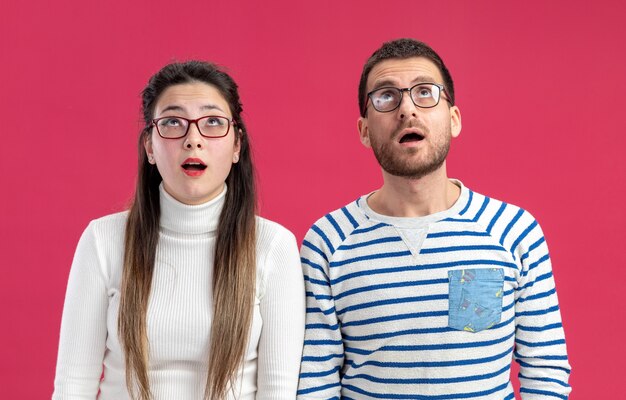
(193, 166)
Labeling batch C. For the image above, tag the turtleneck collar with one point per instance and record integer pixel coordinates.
(184, 218)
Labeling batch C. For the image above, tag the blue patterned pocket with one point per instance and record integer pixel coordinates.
(475, 298)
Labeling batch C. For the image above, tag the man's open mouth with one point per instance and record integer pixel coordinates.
(411, 137)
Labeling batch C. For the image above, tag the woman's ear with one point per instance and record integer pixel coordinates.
(237, 147)
(147, 144)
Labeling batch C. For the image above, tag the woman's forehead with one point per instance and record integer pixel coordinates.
(191, 97)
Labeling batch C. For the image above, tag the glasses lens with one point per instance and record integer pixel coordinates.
(172, 127)
(425, 95)
(386, 99)
(214, 126)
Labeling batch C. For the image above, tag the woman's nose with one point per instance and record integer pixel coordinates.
(193, 139)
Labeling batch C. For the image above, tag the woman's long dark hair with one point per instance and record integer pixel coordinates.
(235, 248)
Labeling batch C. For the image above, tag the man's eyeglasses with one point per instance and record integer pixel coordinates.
(423, 95)
(210, 126)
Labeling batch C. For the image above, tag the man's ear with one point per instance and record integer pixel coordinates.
(455, 121)
(364, 133)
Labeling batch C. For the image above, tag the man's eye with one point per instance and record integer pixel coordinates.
(424, 92)
(386, 96)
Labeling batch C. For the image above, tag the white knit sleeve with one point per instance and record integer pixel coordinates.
(282, 309)
(83, 327)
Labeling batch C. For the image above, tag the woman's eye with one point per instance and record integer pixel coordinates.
(171, 122)
(214, 121)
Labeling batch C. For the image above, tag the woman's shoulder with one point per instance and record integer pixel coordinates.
(277, 256)
(101, 246)
(270, 233)
(108, 225)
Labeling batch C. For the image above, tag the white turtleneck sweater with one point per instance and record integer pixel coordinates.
(179, 311)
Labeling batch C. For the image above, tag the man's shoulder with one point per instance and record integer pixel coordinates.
(513, 227)
(484, 209)
(333, 228)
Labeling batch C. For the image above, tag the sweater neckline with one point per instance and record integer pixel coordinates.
(416, 222)
(190, 219)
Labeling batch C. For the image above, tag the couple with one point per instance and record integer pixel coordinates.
(422, 289)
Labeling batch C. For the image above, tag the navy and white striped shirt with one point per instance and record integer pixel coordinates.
(431, 308)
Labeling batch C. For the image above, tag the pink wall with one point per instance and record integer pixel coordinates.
(540, 86)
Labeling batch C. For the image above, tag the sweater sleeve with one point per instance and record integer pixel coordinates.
(83, 326)
(282, 310)
(539, 340)
(323, 353)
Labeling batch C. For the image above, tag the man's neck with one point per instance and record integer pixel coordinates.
(404, 197)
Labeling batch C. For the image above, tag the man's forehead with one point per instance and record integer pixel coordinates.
(403, 71)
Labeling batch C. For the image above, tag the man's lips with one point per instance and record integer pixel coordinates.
(410, 135)
(193, 164)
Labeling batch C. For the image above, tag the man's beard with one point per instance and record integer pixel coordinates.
(406, 167)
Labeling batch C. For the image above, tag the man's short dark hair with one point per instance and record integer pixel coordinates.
(402, 49)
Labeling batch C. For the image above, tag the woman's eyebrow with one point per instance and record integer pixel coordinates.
(211, 107)
(175, 107)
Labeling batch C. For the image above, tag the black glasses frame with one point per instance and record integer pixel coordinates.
(442, 90)
(194, 121)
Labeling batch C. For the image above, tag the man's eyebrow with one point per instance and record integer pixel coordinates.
(383, 83)
(423, 78)
(392, 83)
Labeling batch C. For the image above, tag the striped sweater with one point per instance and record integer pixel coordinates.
(431, 308)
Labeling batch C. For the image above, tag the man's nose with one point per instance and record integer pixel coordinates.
(407, 108)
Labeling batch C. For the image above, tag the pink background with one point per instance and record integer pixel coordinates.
(540, 85)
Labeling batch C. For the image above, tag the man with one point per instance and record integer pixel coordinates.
(425, 289)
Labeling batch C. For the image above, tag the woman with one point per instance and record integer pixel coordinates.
(187, 295)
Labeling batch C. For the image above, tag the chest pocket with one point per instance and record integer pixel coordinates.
(475, 298)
